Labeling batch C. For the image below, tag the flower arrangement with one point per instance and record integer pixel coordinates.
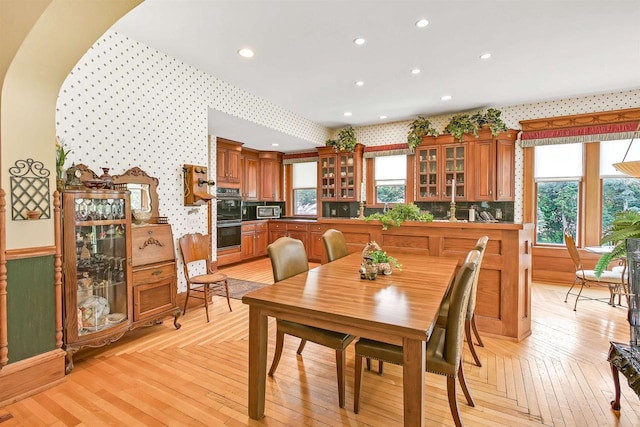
(419, 128)
(381, 257)
(62, 151)
(346, 140)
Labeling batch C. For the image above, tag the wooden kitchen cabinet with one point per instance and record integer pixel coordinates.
(228, 156)
(441, 167)
(270, 186)
(316, 246)
(294, 229)
(339, 174)
(250, 175)
(254, 239)
(493, 164)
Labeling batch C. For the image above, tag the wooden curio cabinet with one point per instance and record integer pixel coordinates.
(96, 268)
(441, 167)
(339, 174)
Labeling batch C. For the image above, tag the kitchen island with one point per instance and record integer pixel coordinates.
(504, 286)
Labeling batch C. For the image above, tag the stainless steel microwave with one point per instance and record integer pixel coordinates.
(267, 212)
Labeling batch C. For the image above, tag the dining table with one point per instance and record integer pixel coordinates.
(399, 309)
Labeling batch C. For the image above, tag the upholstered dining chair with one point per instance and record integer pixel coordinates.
(335, 244)
(195, 247)
(288, 258)
(470, 320)
(610, 279)
(444, 346)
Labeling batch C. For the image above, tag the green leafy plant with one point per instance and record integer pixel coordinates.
(398, 214)
(625, 225)
(346, 140)
(491, 118)
(380, 257)
(419, 128)
(461, 124)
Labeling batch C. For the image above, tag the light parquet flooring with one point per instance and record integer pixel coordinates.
(198, 376)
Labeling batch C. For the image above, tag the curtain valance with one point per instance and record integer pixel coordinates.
(291, 158)
(604, 126)
(386, 150)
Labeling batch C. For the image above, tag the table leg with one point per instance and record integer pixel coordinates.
(615, 403)
(413, 365)
(257, 362)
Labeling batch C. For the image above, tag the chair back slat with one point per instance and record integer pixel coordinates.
(573, 251)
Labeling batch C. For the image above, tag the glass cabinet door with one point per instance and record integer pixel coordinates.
(347, 176)
(328, 179)
(96, 263)
(428, 174)
(455, 171)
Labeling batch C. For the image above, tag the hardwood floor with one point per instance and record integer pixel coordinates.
(198, 375)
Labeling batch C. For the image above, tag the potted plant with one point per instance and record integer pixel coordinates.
(492, 120)
(384, 261)
(626, 224)
(419, 128)
(460, 124)
(398, 214)
(346, 140)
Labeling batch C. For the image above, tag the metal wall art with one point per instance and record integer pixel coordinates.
(29, 191)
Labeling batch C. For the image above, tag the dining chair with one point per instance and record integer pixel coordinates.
(195, 247)
(289, 258)
(335, 244)
(470, 320)
(610, 279)
(444, 346)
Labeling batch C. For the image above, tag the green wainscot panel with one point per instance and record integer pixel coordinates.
(31, 307)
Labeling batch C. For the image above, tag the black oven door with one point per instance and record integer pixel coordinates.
(229, 209)
(229, 234)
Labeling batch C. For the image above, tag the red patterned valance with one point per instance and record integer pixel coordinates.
(603, 126)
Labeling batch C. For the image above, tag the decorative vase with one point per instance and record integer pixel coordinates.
(108, 180)
(60, 180)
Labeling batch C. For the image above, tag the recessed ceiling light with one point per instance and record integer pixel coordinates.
(246, 52)
(422, 23)
(359, 83)
(415, 71)
(275, 144)
(359, 41)
(348, 114)
(446, 97)
(383, 117)
(485, 56)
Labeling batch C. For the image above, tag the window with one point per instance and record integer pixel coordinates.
(305, 178)
(390, 178)
(619, 192)
(558, 171)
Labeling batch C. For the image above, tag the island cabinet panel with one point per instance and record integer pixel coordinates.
(504, 285)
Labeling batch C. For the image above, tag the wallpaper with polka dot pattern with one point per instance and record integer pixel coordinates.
(125, 104)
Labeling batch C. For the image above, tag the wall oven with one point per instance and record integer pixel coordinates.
(228, 218)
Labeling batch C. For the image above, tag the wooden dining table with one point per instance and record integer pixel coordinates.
(399, 309)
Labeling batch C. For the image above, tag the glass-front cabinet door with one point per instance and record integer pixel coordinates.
(428, 173)
(455, 171)
(347, 176)
(97, 268)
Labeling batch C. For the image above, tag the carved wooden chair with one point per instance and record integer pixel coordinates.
(334, 244)
(609, 279)
(444, 347)
(196, 248)
(288, 258)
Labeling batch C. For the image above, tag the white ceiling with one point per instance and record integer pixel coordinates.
(306, 60)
